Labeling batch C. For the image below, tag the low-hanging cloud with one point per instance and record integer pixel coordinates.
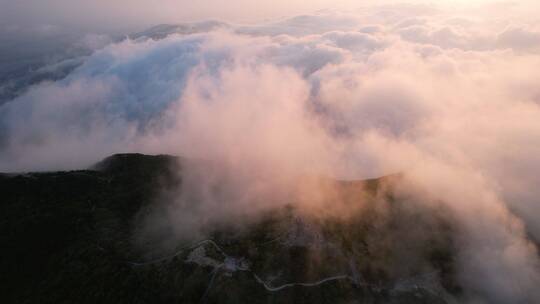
(451, 102)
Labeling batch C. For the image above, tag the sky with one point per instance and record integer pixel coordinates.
(136, 14)
(446, 92)
(140, 13)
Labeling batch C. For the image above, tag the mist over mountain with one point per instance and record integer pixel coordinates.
(331, 152)
(84, 236)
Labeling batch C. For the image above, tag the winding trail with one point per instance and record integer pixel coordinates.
(355, 278)
(257, 278)
(329, 279)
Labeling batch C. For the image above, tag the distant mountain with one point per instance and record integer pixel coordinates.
(27, 59)
(68, 237)
(163, 30)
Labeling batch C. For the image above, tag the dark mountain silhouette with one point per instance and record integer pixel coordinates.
(68, 237)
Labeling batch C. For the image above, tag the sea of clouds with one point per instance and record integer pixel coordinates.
(450, 98)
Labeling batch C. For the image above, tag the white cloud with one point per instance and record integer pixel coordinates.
(519, 38)
(449, 100)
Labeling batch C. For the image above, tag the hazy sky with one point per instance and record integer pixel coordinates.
(122, 13)
(136, 14)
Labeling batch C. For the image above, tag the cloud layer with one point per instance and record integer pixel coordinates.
(451, 100)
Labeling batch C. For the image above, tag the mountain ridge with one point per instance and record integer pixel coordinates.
(71, 236)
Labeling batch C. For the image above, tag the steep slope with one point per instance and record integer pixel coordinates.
(70, 237)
